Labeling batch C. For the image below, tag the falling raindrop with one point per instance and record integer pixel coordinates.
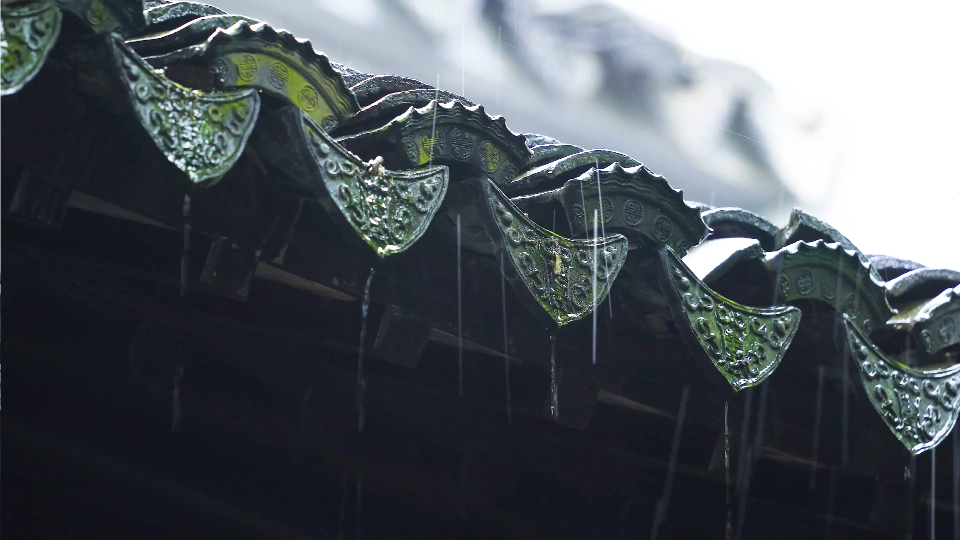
(185, 257)
(726, 466)
(839, 333)
(674, 450)
(177, 380)
(433, 128)
(506, 358)
(459, 312)
(583, 204)
(603, 231)
(776, 279)
(743, 491)
(361, 380)
(554, 387)
(594, 304)
(750, 457)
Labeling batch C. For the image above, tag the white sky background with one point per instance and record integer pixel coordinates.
(887, 72)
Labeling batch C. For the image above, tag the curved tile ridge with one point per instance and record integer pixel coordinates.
(935, 323)
(547, 149)
(179, 10)
(275, 62)
(805, 227)
(921, 283)
(544, 153)
(418, 97)
(328, 81)
(451, 133)
(553, 275)
(732, 222)
(202, 134)
(699, 206)
(566, 165)
(29, 34)
(187, 34)
(920, 407)
(635, 202)
(350, 75)
(745, 344)
(536, 139)
(891, 267)
(826, 272)
(374, 87)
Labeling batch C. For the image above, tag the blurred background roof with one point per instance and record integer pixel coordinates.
(848, 113)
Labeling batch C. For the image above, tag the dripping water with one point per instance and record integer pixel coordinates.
(839, 332)
(603, 230)
(506, 358)
(776, 284)
(554, 387)
(839, 338)
(594, 304)
(726, 466)
(460, 313)
(751, 456)
(361, 396)
(583, 203)
(177, 381)
(816, 428)
(361, 381)
(743, 463)
(433, 128)
(185, 257)
(674, 450)
(743, 490)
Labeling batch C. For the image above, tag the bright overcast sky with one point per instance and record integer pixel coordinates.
(887, 72)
